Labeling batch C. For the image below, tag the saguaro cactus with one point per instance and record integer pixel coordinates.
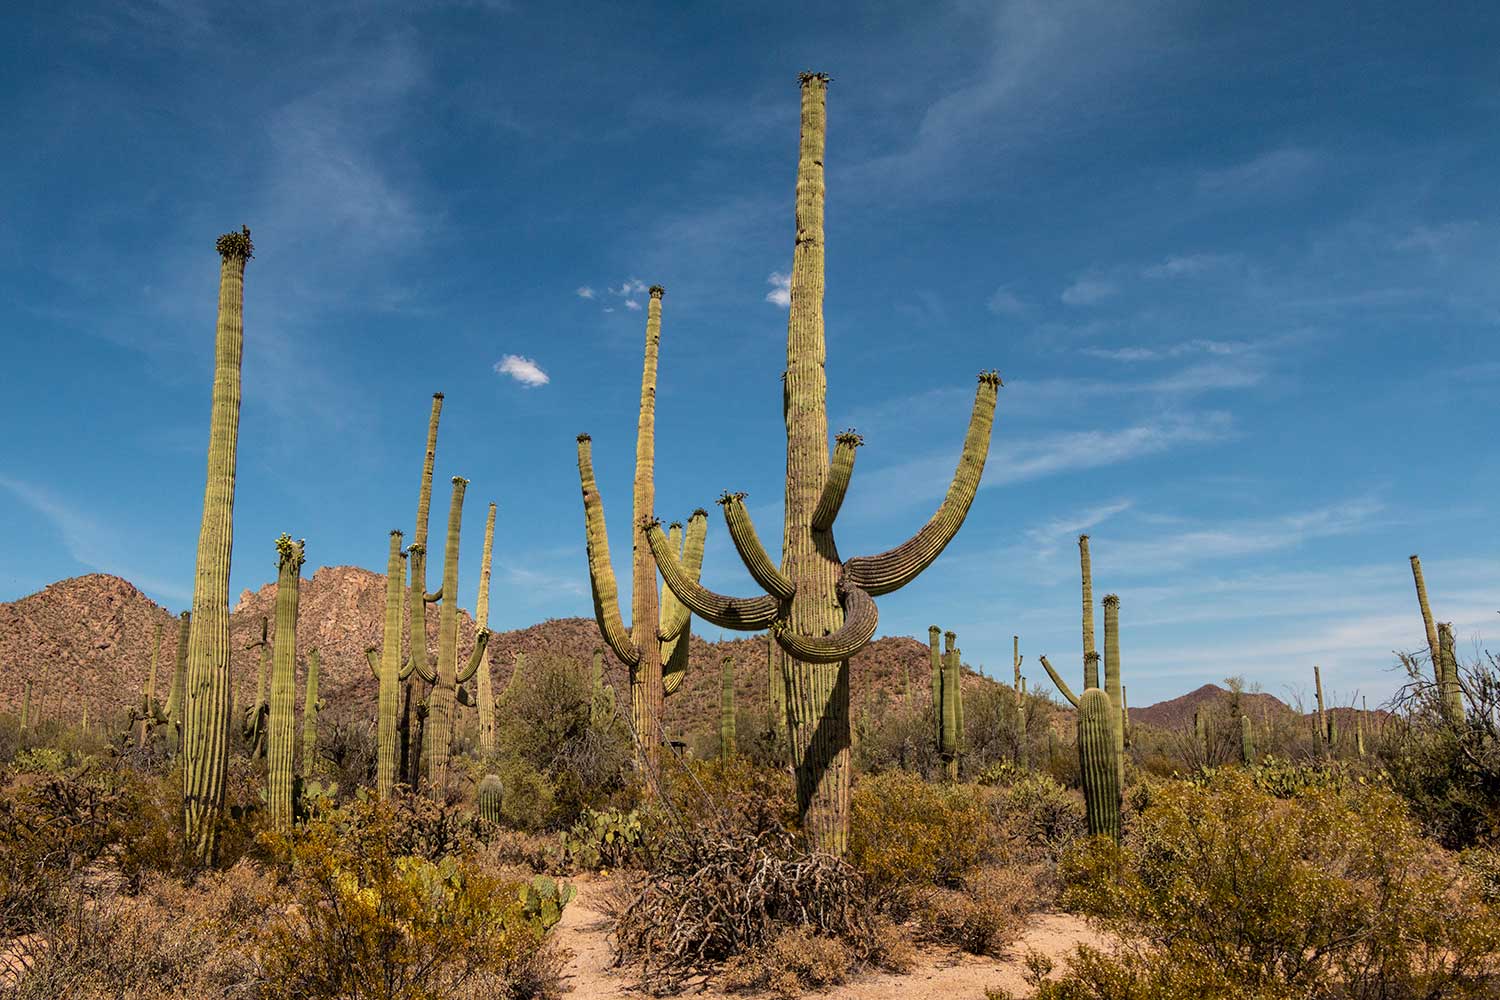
(483, 690)
(205, 752)
(1099, 769)
(935, 654)
(1112, 685)
(312, 706)
(776, 690)
(1323, 731)
(26, 706)
(179, 682)
(490, 795)
(656, 624)
(1023, 754)
(253, 726)
(1247, 740)
(389, 671)
(1359, 726)
(447, 676)
(819, 607)
(1090, 660)
(950, 743)
(149, 709)
(1450, 689)
(281, 726)
(726, 710)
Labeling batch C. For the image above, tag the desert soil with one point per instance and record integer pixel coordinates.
(939, 973)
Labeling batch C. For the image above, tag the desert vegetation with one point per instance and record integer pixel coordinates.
(806, 834)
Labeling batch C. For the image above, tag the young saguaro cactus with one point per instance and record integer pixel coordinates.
(1450, 689)
(490, 795)
(253, 725)
(1247, 740)
(726, 710)
(1098, 767)
(935, 655)
(951, 716)
(483, 687)
(819, 607)
(205, 750)
(179, 681)
(1323, 731)
(150, 710)
(648, 646)
(281, 725)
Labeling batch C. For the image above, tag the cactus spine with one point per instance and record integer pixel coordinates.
(820, 608)
(280, 727)
(483, 690)
(448, 676)
(311, 707)
(490, 795)
(660, 629)
(1100, 770)
(205, 756)
(726, 710)
(1247, 740)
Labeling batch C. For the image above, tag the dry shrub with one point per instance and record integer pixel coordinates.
(724, 795)
(1037, 816)
(988, 913)
(169, 940)
(905, 831)
(795, 960)
(710, 896)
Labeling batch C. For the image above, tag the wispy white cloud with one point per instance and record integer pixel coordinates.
(1196, 346)
(1272, 172)
(1187, 265)
(90, 541)
(632, 304)
(1005, 303)
(1051, 532)
(1088, 290)
(1073, 451)
(584, 292)
(523, 370)
(781, 289)
(631, 286)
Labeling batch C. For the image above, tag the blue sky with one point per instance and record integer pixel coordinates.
(1235, 262)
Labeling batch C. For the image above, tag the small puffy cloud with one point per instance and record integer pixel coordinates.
(781, 289)
(634, 286)
(1087, 291)
(585, 292)
(523, 370)
(632, 304)
(1005, 303)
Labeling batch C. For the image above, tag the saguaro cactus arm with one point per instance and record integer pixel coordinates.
(601, 572)
(860, 619)
(743, 614)
(1062, 685)
(674, 615)
(481, 640)
(837, 484)
(895, 568)
(752, 553)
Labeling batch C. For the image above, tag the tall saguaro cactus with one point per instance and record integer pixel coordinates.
(205, 750)
(935, 655)
(483, 687)
(659, 629)
(1090, 660)
(726, 710)
(1112, 685)
(1444, 665)
(1097, 764)
(149, 709)
(312, 706)
(1323, 732)
(446, 676)
(389, 670)
(179, 682)
(818, 606)
(281, 726)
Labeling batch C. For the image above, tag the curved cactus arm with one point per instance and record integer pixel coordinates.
(372, 657)
(427, 671)
(860, 619)
(674, 661)
(464, 698)
(743, 614)
(436, 597)
(894, 569)
(752, 553)
(472, 667)
(837, 484)
(601, 572)
(674, 614)
(1062, 685)
(407, 666)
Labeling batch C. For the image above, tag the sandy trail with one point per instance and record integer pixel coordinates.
(939, 974)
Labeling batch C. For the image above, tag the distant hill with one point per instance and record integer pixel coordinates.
(87, 641)
(1177, 713)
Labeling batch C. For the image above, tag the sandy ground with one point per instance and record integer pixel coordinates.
(939, 974)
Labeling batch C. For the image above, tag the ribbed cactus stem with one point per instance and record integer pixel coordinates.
(949, 747)
(1247, 740)
(441, 699)
(1125, 714)
(1112, 676)
(958, 701)
(418, 597)
(490, 795)
(1450, 689)
(311, 706)
(726, 710)
(148, 693)
(281, 726)
(776, 690)
(205, 756)
(1090, 664)
(1098, 767)
(1322, 716)
(1433, 646)
(934, 648)
(179, 682)
(483, 688)
(389, 676)
(1359, 727)
(26, 721)
(1200, 735)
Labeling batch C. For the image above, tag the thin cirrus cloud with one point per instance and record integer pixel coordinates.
(523, 370)
(781, 289)
(1087, 291)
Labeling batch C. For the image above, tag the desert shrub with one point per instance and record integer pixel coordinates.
(560, 757)
(1322, 894)
(905, 831)
(40, 760)
(900, 738)
(987, 913)
(1037, 816)
(168, 940)
(793, 961)
(371, 919)
(735, 794)
(710, 896)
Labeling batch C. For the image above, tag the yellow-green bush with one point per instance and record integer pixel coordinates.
(1232, 891)
(905, 831)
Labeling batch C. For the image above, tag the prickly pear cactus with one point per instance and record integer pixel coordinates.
(543, 900)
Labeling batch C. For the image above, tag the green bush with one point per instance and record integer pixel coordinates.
(1232, 891)
(904, 831)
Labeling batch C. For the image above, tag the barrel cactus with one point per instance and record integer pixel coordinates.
(490, 796)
